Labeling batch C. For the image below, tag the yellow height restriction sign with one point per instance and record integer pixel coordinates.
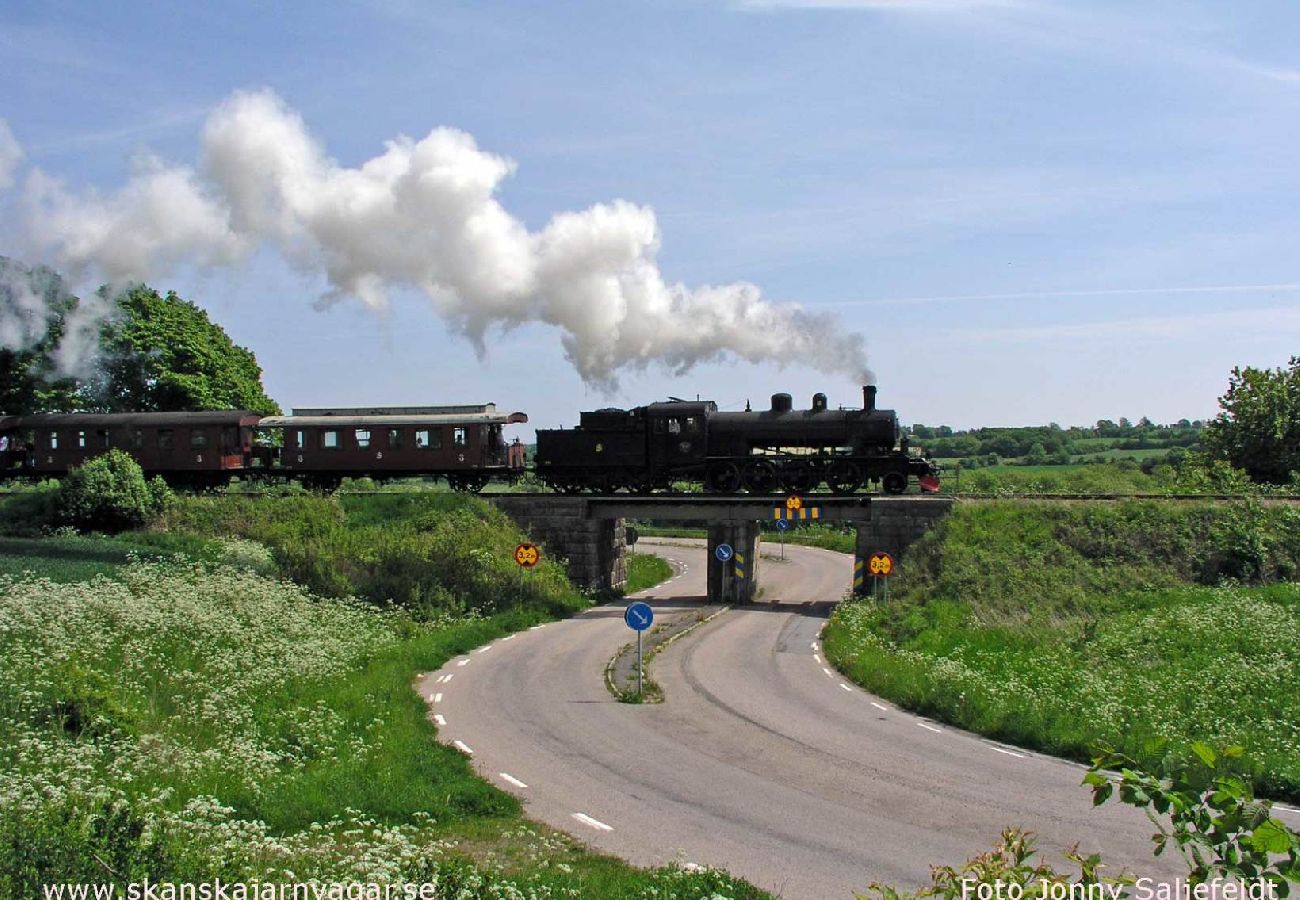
(794, 501)
(528, 555)
(881, 564)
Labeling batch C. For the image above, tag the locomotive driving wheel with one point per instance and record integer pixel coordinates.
(798, 477)
(894, 483)
(760, 477)
(724, 478)
(844, 477)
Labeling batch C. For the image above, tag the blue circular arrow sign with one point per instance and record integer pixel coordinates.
(782, 524)
(639, 616)
(724, 552)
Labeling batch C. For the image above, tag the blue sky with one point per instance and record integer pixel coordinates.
(1032, 211)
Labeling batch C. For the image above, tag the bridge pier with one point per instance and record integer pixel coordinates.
(896, 523)
(736, 580)
(593, 547)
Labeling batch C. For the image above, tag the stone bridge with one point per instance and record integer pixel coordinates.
(589, 531)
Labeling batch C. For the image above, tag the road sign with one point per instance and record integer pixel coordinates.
(794, 501)
(802, 514)
(639, 616)
(782, 524)
(881, 564)
(528, 555)
(723, 552)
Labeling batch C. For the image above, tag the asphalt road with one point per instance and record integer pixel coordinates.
(762, 760)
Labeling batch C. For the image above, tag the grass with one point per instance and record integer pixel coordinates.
(196, 721)
(645, 570)
(1069, 627)
(68, 558)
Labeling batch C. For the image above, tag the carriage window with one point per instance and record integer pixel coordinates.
(230, 438)
(101, 438)
(692, 424)
(363, 438)
(298, 438)
(422, 439)
(659, 426)
(54, 440)
(395, 438)
(137, 439)
(81, 439)
(329, 440)
(198, 439)
(166, 439)
(459, 437)
(674, 425)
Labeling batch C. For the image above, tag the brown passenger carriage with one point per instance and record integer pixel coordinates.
(464, 444)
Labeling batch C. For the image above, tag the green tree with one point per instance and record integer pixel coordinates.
(164, 353)
(34, 307)
(1258, 428)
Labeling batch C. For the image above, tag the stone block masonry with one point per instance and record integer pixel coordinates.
(595, 548)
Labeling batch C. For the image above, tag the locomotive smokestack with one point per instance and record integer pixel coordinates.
(782, 403)
(869, 397)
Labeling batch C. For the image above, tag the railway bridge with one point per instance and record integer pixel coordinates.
(589, 531)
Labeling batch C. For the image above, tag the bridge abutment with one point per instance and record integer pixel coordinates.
(734, 580)
(594, 548)
(898, 522)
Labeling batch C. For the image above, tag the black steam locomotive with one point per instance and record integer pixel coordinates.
(780, 448)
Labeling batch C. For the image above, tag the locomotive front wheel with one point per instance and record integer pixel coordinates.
(894, 483)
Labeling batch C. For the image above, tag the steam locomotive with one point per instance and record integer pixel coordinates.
(780, 448)
(640, 450)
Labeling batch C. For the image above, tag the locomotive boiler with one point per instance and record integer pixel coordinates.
(760, 451)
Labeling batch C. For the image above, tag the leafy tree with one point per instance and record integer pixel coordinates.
(34, 306)
(164, 353)
(1258, 428)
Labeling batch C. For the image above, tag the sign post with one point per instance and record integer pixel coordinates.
(527, 556)
(781, 526)
(881, 566)
(639, 616)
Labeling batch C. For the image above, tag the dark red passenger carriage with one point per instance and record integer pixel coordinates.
(464, 444)
(185, 447)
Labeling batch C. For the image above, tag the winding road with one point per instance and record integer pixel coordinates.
(762, 760)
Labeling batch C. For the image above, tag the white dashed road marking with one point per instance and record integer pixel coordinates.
(818, 658)
(829, 673)
(439, 720)
(509, 637)
(437, 698)
(463, 747)
(878, 705)
(1010, 752)
(845, 686)
(463, 662)
(594, 823)
(930, 728)
(481, 650)
(506, 776)
(446, 679)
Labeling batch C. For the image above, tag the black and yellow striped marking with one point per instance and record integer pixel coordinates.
(802, 514)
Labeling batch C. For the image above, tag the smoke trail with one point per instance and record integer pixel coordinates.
(424, 215)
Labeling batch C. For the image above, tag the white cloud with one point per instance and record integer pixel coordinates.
(11, 155)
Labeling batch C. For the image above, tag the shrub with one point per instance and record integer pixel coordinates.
(110, 493)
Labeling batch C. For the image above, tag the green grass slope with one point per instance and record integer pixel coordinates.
(1067, 627)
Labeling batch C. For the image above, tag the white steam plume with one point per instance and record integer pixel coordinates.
(424, 214)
